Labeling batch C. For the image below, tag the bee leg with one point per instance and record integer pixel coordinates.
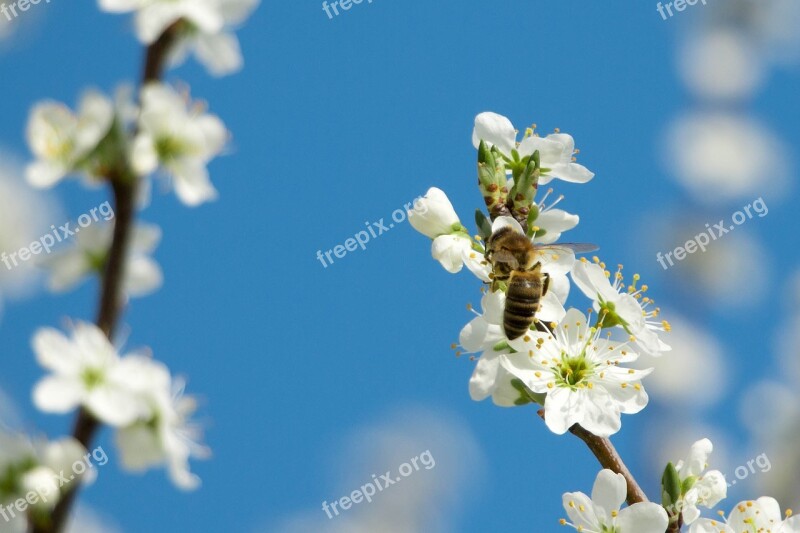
(546, 284)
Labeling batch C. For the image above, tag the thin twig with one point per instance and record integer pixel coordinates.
(111, 302)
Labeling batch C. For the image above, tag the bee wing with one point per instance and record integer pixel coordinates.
(504, 256)
(578, 248)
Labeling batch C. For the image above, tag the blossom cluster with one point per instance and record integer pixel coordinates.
(32, 471)
(125, 140)
(575, 365)
(693, 485)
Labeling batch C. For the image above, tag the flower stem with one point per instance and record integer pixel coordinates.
(111, 302)
(608, 457)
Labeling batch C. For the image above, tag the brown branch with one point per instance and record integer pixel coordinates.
(608, 457)
(112, 299)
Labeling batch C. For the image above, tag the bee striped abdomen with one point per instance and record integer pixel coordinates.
(522, 302)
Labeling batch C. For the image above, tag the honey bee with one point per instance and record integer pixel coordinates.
(516, 261)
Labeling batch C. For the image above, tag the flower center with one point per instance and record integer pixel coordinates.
(92, 377)
(168, 148)
(572, 371)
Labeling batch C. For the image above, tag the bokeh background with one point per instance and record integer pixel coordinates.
(314, 378)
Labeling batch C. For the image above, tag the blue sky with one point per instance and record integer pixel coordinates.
(340, 122)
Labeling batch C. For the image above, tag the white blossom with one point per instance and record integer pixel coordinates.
(86, 371)
(142, 274)
(556, 151)
(709, 487)
(581, 374)
(179, 139)
(61, 140)
(165, 436)
(434, 216)
(205, 27)
(601, 513)
(763, 514)
(622, 307)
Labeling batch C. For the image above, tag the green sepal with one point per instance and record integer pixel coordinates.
(484, 225)
(687, 484)
(670, 486)
(533, 214)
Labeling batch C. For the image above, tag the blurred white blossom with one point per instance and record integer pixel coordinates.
(89, 252)
(164, 435)
(720, 157)
(61, 140)
(682, 379)
(180, 138)
(720, 65)
(205, 27)
(86, 371)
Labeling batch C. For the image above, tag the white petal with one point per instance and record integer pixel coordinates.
(712, 488)
(600, 415)
(236, 11)
(119, 6)
(139, 447)
(57, 394)
(580, 510)
(145, 238)
(142, 276)
(482, 382)
(449, 251)
(114, 406)
(67, 270)
(551, 310)
(705, 525)
(549, 151)
(95, 349)
(220, 53)
(215, 135)
(790, 525)
(192, 184)
(561, 410)
(510, 222)
(433, 215)
(144, 157)
(592, 281)
(770, 508)
(609, 493)
(646, 517)
(555, 222)
(571, 173)
(696, 463)
(495, 130)
(45, 174)
(531, 373)
(54, 351)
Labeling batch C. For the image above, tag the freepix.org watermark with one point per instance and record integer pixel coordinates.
(47, 241)
(10, 10)
(742, 472)
(701, 240)
(373, 231)
(332, 9)
(679, 5)
(44, 493)
(379, 483)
